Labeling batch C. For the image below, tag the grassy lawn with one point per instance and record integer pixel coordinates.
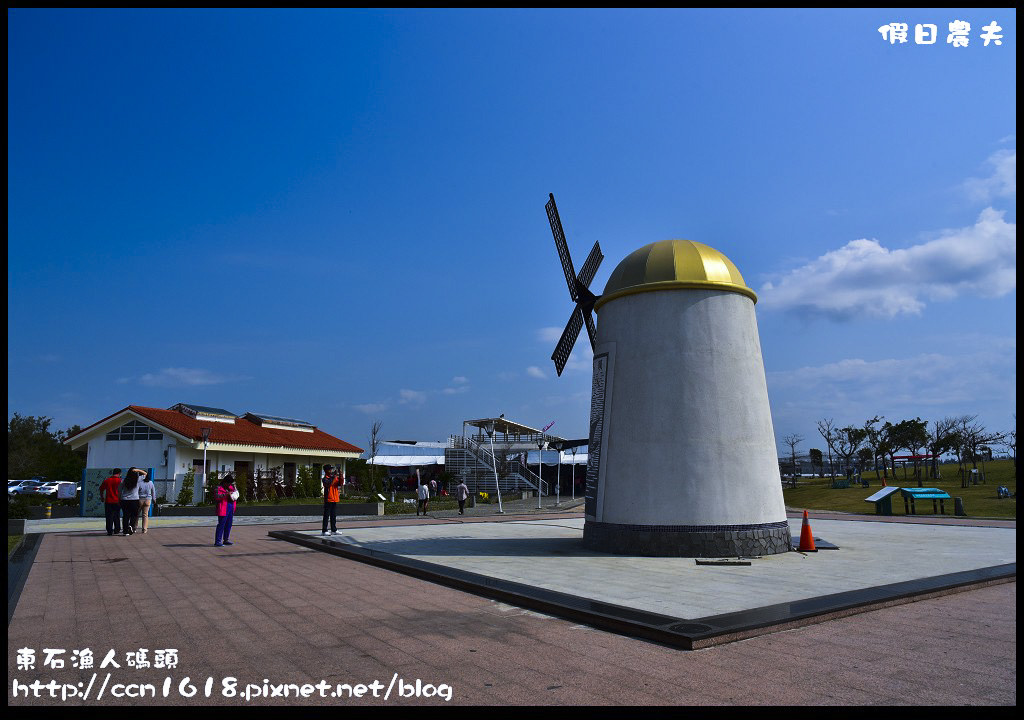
(12, 542)
(979, 500)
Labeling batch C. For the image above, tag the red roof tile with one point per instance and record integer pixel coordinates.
(241, 432)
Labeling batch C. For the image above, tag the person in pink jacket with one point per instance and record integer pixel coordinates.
(225, 497)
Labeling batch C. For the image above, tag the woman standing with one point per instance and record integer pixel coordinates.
(129, 494)
(226, 496)
(147, 496)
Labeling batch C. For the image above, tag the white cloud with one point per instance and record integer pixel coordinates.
(181, 377)
(1002, 183)
(460, 380)
(549, 334)
(456, 390)
(535, 372)
(371, 408)
(865, 278)
(582, 356)
(415, 397)
(927, 385)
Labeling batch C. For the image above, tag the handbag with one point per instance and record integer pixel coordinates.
(234, 494)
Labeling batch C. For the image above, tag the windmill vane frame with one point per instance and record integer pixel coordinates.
(579, 289)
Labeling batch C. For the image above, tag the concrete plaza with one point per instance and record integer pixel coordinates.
(264, 609)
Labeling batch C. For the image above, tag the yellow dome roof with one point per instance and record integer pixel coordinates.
(673, 265)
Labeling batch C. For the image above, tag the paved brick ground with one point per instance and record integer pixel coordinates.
(267, 609)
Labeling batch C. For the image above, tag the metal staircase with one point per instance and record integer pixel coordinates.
(469, 460)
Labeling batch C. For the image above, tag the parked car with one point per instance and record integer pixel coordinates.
(58, 489)
(25, 487)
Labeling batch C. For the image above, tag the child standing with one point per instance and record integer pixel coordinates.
(226, 496)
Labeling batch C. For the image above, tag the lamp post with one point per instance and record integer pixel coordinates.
(206, 441)
(489, 429)
(541, 444)
(558, 477)
(573, 483)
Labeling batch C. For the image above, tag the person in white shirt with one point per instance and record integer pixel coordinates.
(423, 493)
(147, 496)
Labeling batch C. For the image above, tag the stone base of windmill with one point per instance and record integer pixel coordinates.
(688, 540)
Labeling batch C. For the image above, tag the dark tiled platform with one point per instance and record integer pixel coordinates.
(453, 559)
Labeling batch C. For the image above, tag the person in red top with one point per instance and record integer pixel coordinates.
(112, 502)
(332, 487)
(226, 495)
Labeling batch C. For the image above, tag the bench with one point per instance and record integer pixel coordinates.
(937, 496)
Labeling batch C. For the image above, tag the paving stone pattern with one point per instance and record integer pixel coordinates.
(267, 609)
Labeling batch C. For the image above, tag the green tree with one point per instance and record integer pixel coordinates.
(828, 431)
(33, 449)
(847, 442)
(375, 441)
(904, 435)
(940, 440)
(187, 487)
(241, 480)
(307, 485)
(792, 441)
(817, 460)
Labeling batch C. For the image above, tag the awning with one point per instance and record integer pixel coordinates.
(550, 458)
(407, 460)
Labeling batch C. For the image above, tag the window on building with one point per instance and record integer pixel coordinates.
(135, 431)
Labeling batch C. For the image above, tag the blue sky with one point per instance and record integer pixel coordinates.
(339, 215)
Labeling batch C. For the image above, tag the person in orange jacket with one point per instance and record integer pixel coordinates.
(332, 488)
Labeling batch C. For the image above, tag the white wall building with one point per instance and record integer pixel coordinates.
(171, 442)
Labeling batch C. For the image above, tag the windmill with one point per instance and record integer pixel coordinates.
(579, 289)
(678, 385)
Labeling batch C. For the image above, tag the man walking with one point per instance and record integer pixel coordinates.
(332, 488)
(112, 502)
(461, 494)
(423, 493)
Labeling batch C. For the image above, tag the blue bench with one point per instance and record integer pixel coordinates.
(937, 496)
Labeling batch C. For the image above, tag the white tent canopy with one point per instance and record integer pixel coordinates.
(407, 460)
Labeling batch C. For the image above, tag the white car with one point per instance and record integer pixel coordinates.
(25, 487)
(47, 489)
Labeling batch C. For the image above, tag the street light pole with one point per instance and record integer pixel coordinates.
(558, 478)
(489, 429)
(206, 442)
(540, 460)
(573, 483)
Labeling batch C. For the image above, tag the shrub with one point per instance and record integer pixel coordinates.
(188, 484)
(17, 508)
(241, 480)
(307, 484)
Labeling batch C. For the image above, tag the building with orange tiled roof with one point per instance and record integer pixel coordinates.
(171, 441)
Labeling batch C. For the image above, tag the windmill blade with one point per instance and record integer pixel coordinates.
(589, 269)
(591, 331)
(560, 244)
(568, 339)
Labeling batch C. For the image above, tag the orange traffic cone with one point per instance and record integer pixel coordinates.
(806, 539)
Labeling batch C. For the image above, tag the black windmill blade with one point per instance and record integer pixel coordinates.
(579, 290)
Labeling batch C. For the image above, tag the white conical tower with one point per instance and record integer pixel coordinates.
(682, 451)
